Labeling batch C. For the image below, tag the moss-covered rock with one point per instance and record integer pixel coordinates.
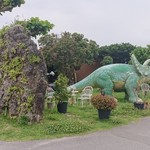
(22, 75)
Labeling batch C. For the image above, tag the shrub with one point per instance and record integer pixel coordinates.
(103, 102)
(67, 126)
(61, 93)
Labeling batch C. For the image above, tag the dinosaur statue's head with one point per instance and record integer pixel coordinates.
(144, 69)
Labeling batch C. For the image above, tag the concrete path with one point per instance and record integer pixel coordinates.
(135, 136)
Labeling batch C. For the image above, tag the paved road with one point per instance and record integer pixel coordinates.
(135, 136)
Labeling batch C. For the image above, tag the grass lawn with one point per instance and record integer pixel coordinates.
(77, 121)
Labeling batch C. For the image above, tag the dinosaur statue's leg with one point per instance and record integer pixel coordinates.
(105, 83)
(126, 95)
(130, 86)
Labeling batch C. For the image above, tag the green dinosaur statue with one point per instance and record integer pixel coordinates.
(122, 77)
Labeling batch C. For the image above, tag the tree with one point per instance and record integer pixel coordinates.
(107, 60)
(67, 52)
(119, 52)
(36, 26)
(142, 53)
(8, 5)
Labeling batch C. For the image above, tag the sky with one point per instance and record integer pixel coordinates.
(103, 21)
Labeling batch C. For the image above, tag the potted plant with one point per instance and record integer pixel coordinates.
(104, 104)
(61, 93)
(50, 102)
(50, 99)
(139, 104)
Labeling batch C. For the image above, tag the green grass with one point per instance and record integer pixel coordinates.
(77, 121)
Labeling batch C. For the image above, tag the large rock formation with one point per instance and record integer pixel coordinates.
(22, 75)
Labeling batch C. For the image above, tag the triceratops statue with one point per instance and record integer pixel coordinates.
(122, 77)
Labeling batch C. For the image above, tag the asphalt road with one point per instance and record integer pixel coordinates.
(135, 136)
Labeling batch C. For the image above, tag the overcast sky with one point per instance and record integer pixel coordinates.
(104, 21)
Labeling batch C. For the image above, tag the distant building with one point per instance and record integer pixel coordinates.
(85, 70)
